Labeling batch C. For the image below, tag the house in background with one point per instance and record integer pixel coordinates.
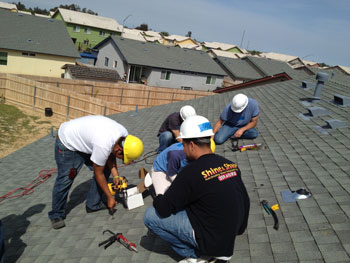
(34, 45)
(174, 40)
(87, 30)
(134, 34)
(8, 6)
(293, 61)
(159, 65)
(221, 46)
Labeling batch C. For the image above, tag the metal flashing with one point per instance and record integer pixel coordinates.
(334, 124)
(318, 111)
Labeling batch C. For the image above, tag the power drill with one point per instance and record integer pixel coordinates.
(122, 185)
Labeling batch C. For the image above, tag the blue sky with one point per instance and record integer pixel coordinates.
(317, 30)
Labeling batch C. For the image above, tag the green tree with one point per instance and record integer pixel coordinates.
(143, 27)
(164, 33)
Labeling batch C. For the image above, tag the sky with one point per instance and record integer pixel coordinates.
(316, 30)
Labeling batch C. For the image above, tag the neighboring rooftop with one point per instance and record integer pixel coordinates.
(85, 19)
(166, 57)
(35, 34)
(297, 153)
(4, 5)
(91, 73)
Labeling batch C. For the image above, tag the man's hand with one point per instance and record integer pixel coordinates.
(116, 181)
(238, 133)
(111, 203)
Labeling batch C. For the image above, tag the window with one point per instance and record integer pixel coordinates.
(210, 80)
(102, 33)
(135, 74)
(3, 58)
(115, 64)
(76, 28)
(25, 54)
(87, 30)
(106, 61)
(86, 42)
(165, 75)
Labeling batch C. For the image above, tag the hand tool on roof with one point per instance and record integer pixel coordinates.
(270, 211)
(120, 238)
(253, 146)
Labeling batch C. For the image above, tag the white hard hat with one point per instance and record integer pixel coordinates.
(239, 103)
(195, 127)
(187, 111)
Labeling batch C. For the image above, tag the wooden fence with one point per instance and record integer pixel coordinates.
(76, 98)
(124, 93)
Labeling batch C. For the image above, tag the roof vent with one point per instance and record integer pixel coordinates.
(20, 14)
(29, 40)
(50, 20)
(317, 111)
(334, 124)
(321, 78)
(307, 85)
(341, 100)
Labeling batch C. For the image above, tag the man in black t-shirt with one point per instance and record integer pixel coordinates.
(169, 131)
(206, 206)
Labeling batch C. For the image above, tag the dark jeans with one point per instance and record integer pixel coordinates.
(66, 161)
(165, 140)
(2, 244)
(227, 131)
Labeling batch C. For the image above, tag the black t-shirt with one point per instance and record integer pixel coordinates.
(211, 191)
(172, 122)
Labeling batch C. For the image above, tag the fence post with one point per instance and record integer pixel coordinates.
(104, 111)
(172, 98)
(149, 91)
(92, 90)
(57, 84)
(121, 96)
(68, 101)
(34, 96)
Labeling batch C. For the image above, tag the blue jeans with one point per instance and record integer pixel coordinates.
(226, 131)
(165, 140)
(176, 229)
(66, 161)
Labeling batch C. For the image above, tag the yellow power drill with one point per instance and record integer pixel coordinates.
(121, 186)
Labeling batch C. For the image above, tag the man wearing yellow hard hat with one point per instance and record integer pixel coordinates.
(95, 141)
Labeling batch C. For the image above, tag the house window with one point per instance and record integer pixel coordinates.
(87, 30)
(135, 74)
(115, 64)
(76, 28)
(165, 75)
(210, 80)
(102, 33)
(3, 58)
(25, 54)
(106, 61)
(86, 42)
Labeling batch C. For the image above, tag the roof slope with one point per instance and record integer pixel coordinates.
(35, 34)
(239, 68)
(297, 155)
(79, 18)
(167, 57)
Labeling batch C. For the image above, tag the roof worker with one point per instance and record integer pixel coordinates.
(168, 164)
(207, 204)
(169, 131)
(238, 119)
(95, 141)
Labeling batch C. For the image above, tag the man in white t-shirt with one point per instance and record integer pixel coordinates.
(95, 141)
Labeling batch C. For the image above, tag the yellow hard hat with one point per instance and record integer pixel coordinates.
(133, 148)
(212, 145)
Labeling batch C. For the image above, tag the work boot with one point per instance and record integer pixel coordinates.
(57, 223)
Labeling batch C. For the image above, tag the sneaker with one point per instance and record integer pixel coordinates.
(193, 260)
(89, 210)
(57, 223)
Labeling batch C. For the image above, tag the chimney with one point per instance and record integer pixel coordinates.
(321, 78)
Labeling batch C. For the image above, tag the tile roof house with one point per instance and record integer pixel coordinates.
(174, 40)
(297, 154)
(159, 65)
(90, 73)
(34, 45)
(293, 61)
(221, 46)
(134, 34)
(87, 30)
(8, 6)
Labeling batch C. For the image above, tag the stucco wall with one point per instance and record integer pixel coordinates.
(112, 53)
(39, 65)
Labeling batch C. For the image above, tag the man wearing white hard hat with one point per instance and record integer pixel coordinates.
(206, 206)
(238, 120)
(169, 131)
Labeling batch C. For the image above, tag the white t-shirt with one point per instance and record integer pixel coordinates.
(95, 135)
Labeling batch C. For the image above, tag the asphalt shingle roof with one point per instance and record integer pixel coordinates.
(167, 57)
(297, 155)
(35, 34)
(92, 73)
